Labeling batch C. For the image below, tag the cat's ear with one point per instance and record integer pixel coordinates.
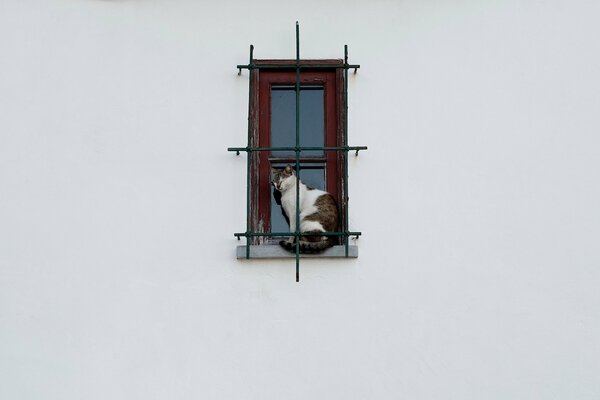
(289, 170)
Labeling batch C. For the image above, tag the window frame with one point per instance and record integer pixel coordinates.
(259, 119)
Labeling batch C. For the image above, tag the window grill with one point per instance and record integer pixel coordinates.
(297, 149)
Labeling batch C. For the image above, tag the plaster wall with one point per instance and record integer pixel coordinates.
(479, 267)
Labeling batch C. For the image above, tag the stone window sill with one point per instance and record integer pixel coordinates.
(276, 251)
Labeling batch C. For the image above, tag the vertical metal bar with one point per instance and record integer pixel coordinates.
(248, 161)
(346, 197)
(297, 237)
(249, 153)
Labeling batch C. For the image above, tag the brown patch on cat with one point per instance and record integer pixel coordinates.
(326, 214)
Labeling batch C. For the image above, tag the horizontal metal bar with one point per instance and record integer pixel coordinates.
(294, 66)
(325, 148)
(287, 234)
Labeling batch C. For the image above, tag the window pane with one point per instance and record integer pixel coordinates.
(311, 175)
(283, 119)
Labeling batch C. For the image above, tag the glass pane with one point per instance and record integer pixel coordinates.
(283, 119)
(311, 175)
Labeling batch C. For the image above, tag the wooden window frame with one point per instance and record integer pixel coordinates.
(262, 80)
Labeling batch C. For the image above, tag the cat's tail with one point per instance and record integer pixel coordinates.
(316, 245)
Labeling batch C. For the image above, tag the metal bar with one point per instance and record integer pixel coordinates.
(297, 152)
(249, 155)
(293, 66)
(302, 148)
(345, 155)
(294, 234)
(248, 214)
(250, 65)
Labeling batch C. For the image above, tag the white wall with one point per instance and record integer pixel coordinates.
(478, 199)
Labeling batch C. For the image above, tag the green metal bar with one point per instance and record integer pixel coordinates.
(345, 155)
(293, 66)
(297, 152)
(294, 234)
(249, 156)
(250, 65)
(248, 216)
(301, 148)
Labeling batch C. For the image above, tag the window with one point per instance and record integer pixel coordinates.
(297, 113)
(274, 125)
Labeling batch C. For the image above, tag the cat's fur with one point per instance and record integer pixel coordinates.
(318, 212)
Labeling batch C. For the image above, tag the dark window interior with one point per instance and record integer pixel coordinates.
(283, 119)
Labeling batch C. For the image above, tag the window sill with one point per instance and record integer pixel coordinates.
(276, 251)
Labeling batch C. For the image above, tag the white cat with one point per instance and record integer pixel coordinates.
(318, 211)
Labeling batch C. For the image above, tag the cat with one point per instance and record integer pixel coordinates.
(318, 211)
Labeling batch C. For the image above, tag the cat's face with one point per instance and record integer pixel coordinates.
(282, 179)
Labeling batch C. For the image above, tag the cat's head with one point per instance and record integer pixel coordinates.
(284, 178)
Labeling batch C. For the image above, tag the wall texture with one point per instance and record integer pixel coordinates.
(478, 198)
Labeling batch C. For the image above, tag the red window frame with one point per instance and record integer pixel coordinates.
(260, 125)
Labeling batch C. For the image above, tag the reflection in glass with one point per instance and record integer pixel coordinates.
(283, 120)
